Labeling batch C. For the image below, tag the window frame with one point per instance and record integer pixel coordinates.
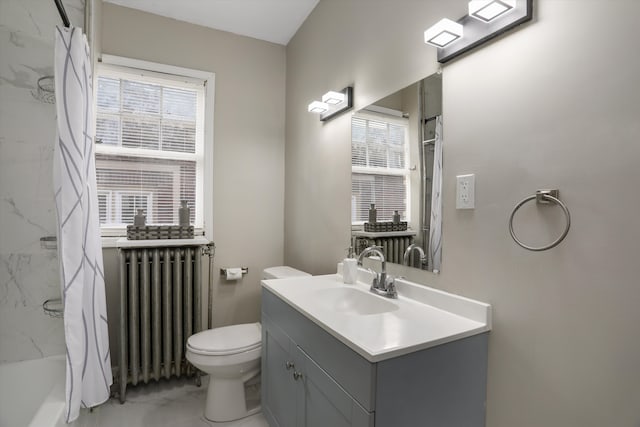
(371, 170)
(120, 67)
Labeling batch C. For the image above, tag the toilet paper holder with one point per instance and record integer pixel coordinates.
(223, 271)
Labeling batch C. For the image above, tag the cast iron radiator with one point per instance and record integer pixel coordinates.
(392, 247)
(160, 307)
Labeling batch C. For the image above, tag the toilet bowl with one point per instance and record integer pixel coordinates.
(231, 357)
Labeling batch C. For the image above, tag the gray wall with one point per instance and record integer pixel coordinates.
(549, 105)
(29, 274)
(248, 193)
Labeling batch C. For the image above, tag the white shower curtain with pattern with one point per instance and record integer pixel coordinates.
(435, 229)
(79, 246)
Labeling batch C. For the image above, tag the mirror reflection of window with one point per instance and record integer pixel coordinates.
(394, 166)
(379, 158)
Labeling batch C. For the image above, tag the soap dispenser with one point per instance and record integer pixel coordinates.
(350, 268)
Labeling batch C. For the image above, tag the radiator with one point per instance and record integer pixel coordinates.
(392, 247)
(160, 307)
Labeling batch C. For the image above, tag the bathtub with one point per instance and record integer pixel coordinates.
(32, 393)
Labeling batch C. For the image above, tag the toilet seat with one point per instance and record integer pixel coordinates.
(226, 340)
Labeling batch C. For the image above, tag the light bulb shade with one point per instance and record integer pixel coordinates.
(488, 10)
(318, 107)
(443, 33)
(333, 98)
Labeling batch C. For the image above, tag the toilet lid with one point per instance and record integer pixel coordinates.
(227, 339)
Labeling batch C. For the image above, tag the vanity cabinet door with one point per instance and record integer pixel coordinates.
(278, 384)
(321, 402)
(354, 374)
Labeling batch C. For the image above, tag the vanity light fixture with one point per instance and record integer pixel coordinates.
(333, 103)
(488, 10)
(486, 20)
(443, 33)
(333, 98)
(318, 107)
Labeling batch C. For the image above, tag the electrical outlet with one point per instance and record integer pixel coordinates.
(465, 191)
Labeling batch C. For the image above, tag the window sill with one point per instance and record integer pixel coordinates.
(109, 242)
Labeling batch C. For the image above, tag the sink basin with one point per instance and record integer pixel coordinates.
(352, 301)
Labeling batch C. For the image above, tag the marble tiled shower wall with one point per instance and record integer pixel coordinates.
(28, 272)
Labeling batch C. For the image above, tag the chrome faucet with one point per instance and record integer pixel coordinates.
(382, 284)
(407, 253)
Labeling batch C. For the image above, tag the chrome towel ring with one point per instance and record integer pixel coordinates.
(543, 197)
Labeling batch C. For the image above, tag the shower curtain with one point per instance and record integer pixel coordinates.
(435, 229)
(79, 246)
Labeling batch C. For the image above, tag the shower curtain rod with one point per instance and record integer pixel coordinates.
(63, 13)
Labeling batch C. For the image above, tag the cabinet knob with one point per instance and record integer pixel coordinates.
(289, 365)
(297, 375)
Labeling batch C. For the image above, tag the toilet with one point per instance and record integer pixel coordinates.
(231, 357)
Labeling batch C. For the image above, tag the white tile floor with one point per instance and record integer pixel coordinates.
(175, 403)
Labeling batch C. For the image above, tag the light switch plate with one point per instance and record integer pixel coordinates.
(465, 191)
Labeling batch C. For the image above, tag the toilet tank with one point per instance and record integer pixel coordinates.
(282, 272)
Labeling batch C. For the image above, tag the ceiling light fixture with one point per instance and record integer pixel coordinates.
(488, 10)
(443, 33)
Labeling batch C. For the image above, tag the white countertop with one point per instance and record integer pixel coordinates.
(423, 317)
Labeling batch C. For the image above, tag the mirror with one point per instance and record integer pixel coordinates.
(396, 158)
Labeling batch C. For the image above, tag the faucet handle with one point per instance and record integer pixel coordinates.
(384, 287)
(390, 287)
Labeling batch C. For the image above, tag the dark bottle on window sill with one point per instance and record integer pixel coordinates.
(373, 213)
(184, 213)
(140, 219)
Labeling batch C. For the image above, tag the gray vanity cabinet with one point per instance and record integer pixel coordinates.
(297, 392)
(311, 379)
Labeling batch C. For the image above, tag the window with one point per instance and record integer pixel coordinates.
(150, 146)
(379, 152)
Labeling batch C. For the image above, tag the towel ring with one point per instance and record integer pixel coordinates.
(543, 197)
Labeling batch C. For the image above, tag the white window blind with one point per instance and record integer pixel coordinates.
(379, 151)
(150, 146)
